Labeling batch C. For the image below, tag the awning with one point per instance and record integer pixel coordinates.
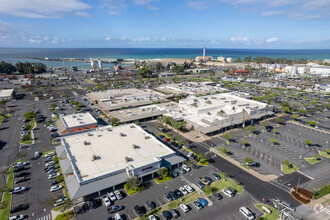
(175, 159)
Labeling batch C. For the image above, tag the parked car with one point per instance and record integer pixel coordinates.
(215, 176)
(115, 208)
(174, 213)
(18, 208)
(52, 171)
(60, 201)
(21, 174)
(152, 217)
(247, 213)
(197, 205)
(217, 196)
(19, 164)
(203, 180)
(53, 175)
(118, 194)
(189, 188)
(167, 215)
(184, 207)
(55, 188)
(202, 201)
(167, 197)
(173, 195)
(151, 205)
(182, 170)
(174, 174)
(17, 190)
(23, 146)
(186, 168)
(18, 217)
(199, 184)
(51, 163)
(208, 179)
(21, 180)
(178, 193)
(54, 182)
(228, 192)
(106, 201)
(183, 190)
(289, 206)
(112, 196)
(50, 154)
(139, 210)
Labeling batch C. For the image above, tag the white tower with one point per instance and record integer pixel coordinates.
(92, 62)
(204, 54)
(100, 64)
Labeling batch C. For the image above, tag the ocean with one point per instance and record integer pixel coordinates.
(15, 55)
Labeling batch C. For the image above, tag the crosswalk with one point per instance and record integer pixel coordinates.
(46, 217)
(325, 210)
(280, 186)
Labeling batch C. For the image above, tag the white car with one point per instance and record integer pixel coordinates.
(190, 154)
(189, 188)
(20, 164)
(17, 217)
(186, 168)
(51, 163)
(228, 192)
(117, 216)
(184, 208)
(55, 188)
(60, 201)
(112, 196)
(17, 190)
(106, 201)
(152, 217)
(50, 154)
(53, 175)
(118, 194)
(183, 190)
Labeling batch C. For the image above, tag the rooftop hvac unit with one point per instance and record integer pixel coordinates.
(85, 143)
(132, 126)
(127, 159)
(109, 129)
(135, 146)
(147, 137)
(122, 134)
(95, 157)
(90, 134)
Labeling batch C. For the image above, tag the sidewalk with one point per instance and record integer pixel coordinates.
(319, 201)
(266, 178)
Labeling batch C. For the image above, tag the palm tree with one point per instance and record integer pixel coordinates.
(232, 118)
(244, 112)
(221, 113)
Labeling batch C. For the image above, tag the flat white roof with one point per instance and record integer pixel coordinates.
(79, 119)
(191, 88)
(6, 92)
(111, 146)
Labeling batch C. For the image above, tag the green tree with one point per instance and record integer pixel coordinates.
(294, 116)
(265, 123)
(312, 123)
(162, 171)
(3, 105)
(114, 121)
(251, 128)
(316, 157)
(178, 69)
(30, 115)
(159, 66)
(132, 182)
(144, 72)
(308, 142)
(286, 162)
(201, 158)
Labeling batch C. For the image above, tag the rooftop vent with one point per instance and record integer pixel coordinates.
(132, 126)
(86, 143)
(122, 134)
(147, 137)
(90, 134)
(109, 129)
(95, 157)
(127, 159)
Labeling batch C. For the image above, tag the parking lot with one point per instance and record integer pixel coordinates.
(154, 192)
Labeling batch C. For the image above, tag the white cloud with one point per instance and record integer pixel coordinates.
(82, 14)
(107, 38)
(116, 7)
(272, 40)
(146, 3)
(272, 13)
(240, 39)
(43, 8)
(199, 5)
(294, 9)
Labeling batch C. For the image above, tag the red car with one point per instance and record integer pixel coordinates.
(167, 139)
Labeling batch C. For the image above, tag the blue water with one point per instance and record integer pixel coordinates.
(14, 55)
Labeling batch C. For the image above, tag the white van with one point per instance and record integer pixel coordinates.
(117, 216)
(247, 213)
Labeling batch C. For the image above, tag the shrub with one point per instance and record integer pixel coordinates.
(290, 166)
(65, 216)
(322, 192)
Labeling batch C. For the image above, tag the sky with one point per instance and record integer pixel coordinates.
(268, 24)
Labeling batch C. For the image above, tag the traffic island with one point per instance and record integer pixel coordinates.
(221, 184)
(269, 212)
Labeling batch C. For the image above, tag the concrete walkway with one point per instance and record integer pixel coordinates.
(318, 202)
(266, 178)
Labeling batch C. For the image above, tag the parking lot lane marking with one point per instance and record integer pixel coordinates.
(129, 216)
(228, 217)
(235, 216)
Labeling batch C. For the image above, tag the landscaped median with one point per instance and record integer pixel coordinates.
(274, 215)
(221, 184)
(65, 216)
(287, 167)
(312, 160)
(172, 205)
(6, 196)
(325, 154)
(27, 139)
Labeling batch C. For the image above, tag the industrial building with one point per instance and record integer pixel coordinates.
(75, 122)
(98, 161)
(213, 114)
(125, 98)
(6, 94)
